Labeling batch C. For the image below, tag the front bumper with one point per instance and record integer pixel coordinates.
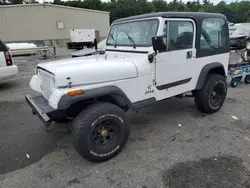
(41, 108)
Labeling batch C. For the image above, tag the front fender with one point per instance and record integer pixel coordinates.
(66, 100)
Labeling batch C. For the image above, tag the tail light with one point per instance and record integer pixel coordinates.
(8, 58)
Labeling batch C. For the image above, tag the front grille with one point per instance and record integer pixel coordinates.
(46, 84)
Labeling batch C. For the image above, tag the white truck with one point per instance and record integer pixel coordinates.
(81, 38)
(148, 58)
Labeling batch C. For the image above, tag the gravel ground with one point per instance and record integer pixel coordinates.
(205, 151)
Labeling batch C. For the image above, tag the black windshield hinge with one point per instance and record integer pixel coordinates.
(151, 58)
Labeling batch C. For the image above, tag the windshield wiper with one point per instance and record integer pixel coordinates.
(113, 39)
(129, 37)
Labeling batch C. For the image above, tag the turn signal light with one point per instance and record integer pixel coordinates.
(76, 92)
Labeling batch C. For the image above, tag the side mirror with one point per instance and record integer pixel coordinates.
(158, 44)
(95, 44)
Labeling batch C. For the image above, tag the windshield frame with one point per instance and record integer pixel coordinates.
(102, 43)
(132, 21)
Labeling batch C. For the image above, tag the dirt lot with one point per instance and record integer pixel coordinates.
(205, 151)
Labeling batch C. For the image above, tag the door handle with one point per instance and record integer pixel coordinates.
(189, 54)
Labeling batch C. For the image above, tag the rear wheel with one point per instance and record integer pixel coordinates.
(247, 79)
(100, 132)
(212, 96)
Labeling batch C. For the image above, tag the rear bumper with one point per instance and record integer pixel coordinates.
(8, 72)
(40, 108)
(238, 43)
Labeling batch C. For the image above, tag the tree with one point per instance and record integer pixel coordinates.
(3, 2)
(159, 5)
(15, 1)
(194, 6)
(92, 4)
(30, 1)
(235, 12)
(57, 2)
(208, 8)
(205, 2)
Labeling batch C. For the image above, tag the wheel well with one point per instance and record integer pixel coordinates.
(213, 68)
(217, 70)
(116, 99)
(74, 109)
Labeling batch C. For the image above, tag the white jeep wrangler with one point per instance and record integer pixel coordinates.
(148, 58)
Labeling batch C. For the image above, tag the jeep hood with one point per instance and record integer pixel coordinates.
(85, 71)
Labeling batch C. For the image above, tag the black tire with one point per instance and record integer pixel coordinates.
(212, 96)
(92, 144)
(234, 82)
(61, 120)
(69, 46)
(239, 78)
(82, 47)
(247, 79)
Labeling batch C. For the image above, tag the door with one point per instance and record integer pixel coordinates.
(174, 65)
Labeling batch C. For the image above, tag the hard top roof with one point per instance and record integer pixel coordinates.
(192, 15)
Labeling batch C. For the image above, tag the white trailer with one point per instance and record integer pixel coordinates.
(81, 38)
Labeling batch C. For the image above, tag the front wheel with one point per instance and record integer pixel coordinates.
(239, 78)
(100, 132)
(212, 96)
(234, 82)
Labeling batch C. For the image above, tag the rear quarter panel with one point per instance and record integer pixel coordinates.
(2, 60)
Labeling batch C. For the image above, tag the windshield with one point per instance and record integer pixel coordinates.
(138, 32)
(101, 45)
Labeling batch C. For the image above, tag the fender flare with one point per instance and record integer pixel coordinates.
(205, 71)
(66, 100)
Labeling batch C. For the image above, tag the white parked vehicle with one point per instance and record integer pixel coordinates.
(148, 58)
(91, 51)
(22, 48)
(7, 68)
(81, 38)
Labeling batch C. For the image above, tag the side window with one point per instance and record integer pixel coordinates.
(180, 35)
(3, 47)
(213, 34)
